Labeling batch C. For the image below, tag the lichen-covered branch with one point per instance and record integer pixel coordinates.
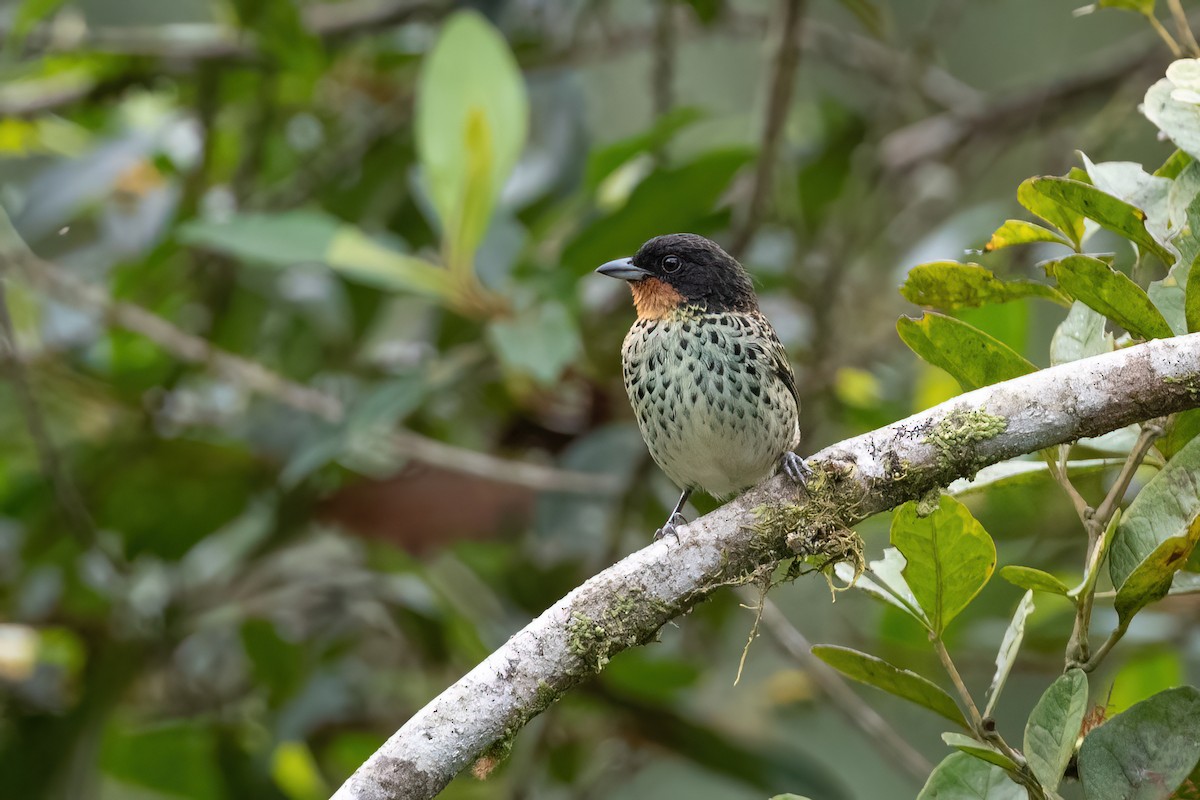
(626, 604)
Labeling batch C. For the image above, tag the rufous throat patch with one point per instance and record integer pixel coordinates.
(654, 299)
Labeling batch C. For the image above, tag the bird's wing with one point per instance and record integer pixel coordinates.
(777, 358)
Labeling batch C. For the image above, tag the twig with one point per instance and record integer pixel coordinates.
(779, 100)
(1183, 26)
(629, 602)
(70, 503)
(937, 136)
(1165, 35)
(662, 79)
(1096, 523)
(973, 715)
(843, 698)
(55, 281)
(208, 42)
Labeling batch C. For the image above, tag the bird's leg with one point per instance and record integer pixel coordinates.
(676, 518)
(794, 467)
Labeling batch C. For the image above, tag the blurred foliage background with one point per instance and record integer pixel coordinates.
(312, 400)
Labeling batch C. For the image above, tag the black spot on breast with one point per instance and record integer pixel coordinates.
(719, 368)
(714, 337)
(755, 389)
(737, 350)
(719, 385)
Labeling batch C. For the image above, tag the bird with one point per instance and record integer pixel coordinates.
(707, 376)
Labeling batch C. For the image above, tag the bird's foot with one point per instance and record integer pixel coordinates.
(794, 467)
(670, 528)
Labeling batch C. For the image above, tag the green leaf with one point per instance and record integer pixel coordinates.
(965, 744)
(1034, 580)
(1010, 645)
(1151, 580)
(1081, 335)
(1191, 304)
(1174, 165)
(1129, 182)
(965, 777)
(1167, 296)
(1018, 231)
(1184, 427)
(901, 682)
(1140, 6)
(1053, 727)
(471, 122)
(1146, 673)
(974, 358)
(295, 771)
(1146, 752)
(707, 11)
(539, 343)
(605, 160)
(1166, 508)
(170, 760)
(950, 558)
(868, 15)
(307, 237)
(1110, 212)
(671, 199)
(949, 285)
(365, 261)
(1177, 118)
(1067, 220)
(1112, 294)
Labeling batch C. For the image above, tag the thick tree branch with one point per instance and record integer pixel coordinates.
(626, 604)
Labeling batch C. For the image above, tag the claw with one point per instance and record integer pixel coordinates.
(669, 529)
(794, 467)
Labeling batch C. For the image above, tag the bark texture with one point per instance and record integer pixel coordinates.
(626, 604)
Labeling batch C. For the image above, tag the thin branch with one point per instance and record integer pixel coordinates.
(938, 136)
(1096, 523)
(843, 698)
(779, 101)
(1165, 35)
(964, 695)
(60, 284)
(1183, 26)
(70, 503)
(627, 604)
(1116, 493)
(195, 42)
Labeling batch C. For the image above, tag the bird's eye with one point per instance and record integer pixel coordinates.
(672, 263)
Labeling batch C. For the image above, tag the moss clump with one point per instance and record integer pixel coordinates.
(622, 625)
(813, 532)
(1190, 384)
(956, 436)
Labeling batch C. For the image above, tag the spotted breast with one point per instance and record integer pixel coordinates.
(714, 395)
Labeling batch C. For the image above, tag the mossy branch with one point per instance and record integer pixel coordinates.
(627, 604)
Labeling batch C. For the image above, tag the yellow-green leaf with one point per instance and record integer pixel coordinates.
(949, 285)
(1109, 212)
(974, 358)
(471, 123)
(1018, 231)
(950, 557)
(1067, 220)
(1111, 293)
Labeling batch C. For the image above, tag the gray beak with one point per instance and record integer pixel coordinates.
(624, 269)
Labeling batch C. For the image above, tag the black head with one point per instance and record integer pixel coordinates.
(698, 270)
